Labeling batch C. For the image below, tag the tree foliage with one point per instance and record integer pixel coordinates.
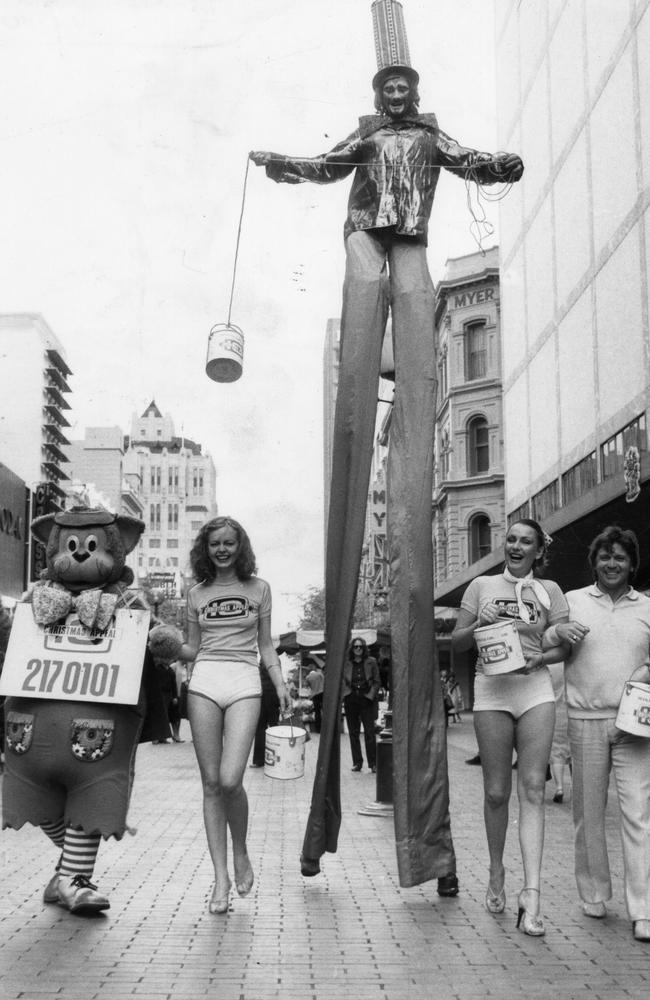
(313, 611)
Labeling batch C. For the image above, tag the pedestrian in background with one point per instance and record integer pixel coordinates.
(515, 710)
(269, 716)
(229, 625)
(316, 683)
(361, 685)
(607, 642)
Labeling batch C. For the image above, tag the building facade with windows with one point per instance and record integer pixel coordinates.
(575, 242)
(573, 97)
(34, 402)
(468, 498)
(176, 482)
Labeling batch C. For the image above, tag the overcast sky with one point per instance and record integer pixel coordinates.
(125, 128)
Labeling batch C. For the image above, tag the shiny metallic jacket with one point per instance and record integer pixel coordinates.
(397, 166)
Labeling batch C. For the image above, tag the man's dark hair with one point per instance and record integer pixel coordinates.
(608, 538)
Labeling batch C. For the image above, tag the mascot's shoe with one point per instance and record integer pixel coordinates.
(51, 890)
(641, 930)
(78, 894)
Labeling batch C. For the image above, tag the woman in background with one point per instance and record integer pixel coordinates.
(361, 685)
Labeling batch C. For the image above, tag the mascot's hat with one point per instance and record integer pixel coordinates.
(391, 44)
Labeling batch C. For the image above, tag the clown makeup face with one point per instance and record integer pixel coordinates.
(396, 96)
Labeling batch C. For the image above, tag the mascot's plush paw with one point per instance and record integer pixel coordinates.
(79, 895)
(165, 643)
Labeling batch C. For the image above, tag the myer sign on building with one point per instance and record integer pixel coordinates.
(71, 662)
(13, 533)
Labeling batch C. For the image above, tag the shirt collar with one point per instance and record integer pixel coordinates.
(632, 594)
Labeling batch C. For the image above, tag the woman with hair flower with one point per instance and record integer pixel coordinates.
(515, 711)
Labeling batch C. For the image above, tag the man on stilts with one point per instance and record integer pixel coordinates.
(396, 155)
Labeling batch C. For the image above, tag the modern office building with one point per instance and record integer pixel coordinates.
(33, 402)
(573, 97)
(97, 478)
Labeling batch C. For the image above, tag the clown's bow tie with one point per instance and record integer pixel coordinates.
(94, 608)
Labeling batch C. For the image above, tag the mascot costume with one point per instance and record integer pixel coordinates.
(395, 156)
(70, 763)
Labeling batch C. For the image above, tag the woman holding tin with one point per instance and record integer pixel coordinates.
(229, 626)
(606, 643)
(515, 710)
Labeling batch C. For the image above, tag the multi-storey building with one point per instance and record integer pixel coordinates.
(33, 422)
(33, 403)
(98, 478)
(468, 506)
(574, 98)
(176, 482)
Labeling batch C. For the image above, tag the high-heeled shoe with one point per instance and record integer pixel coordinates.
(495, 902)
(219, 904)
(531, 923)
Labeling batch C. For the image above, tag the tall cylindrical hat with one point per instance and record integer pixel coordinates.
(391, 43)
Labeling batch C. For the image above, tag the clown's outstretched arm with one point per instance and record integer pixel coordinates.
(484, 168)
(324, 169)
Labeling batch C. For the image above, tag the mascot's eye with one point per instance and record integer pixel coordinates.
(91, 543)
(72, 543)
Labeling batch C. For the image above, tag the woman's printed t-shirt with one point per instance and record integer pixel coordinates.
(228, 615)
(485, 589)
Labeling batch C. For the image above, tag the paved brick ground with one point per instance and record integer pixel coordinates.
(349, 933)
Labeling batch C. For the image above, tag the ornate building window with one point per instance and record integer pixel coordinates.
(444, 455)
(443, 384)
(478, 451)
(480, 537)
(475, 351)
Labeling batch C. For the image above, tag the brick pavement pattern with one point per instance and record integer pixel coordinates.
(350, 932)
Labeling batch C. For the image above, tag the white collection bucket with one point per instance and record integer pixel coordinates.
(284, 753)
(634, 709)
(499, 647)
(225, 353)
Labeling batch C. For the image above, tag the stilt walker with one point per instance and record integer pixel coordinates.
(396, 155)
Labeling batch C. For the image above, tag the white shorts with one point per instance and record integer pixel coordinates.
(224, 681)
(513, 693)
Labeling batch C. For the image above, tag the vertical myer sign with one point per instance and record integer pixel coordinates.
(44, 502)
(13, 533)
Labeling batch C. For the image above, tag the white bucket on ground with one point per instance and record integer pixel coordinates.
(284, 753)
(225, 353)
(499, 647)
(634, 709)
